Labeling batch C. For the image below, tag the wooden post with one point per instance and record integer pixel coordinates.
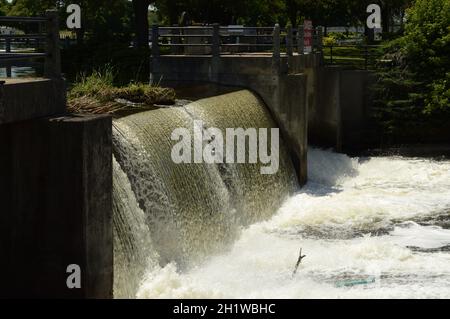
(289, 41)
(155, 41)
(52, 68)
(215, 43)
(276, 41)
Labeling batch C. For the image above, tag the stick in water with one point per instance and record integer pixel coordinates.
(300, 257)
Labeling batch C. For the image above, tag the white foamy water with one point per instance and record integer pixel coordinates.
(384, 217)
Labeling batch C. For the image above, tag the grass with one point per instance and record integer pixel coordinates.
(97, 94)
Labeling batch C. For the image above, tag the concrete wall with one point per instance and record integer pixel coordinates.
(325, 114)
(340, 118)
(24, 99)
(55, 190)
(357, 129)
(281, 83)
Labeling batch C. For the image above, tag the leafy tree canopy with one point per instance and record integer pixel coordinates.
(414, 90)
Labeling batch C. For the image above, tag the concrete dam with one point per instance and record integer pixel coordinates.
(105, 194)
(190, 211)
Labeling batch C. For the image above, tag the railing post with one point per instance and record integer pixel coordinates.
(52, 67)
(289, 41)
(331, 54)
(320, 39)
(276, 41)
(8, 50)
(300, 40)
(175, 40)
(215, 43)
(366, 55)
(7, 45)
(155, 41)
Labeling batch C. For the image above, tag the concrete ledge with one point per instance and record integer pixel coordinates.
(25, 99)
(55, 190)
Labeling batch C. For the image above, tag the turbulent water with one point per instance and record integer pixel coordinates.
(210, 231)
(191, 210)
(383, 218)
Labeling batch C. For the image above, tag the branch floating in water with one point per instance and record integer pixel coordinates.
(300, 257)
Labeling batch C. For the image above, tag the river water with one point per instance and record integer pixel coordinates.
(382, 222)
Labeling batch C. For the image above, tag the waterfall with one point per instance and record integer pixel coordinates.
(133, 249)
(183, 213)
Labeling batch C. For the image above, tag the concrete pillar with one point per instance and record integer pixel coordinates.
(215, 43)
(276, 41)
(294, 120)
(55, 190)
(276, 49)
(155, 41)
(289, 41)
(300, 40)
(43, 97)
(155, 54)
(8, 50)
(52, 68)
(320, 39)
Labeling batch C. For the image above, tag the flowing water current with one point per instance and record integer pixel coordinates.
(226, 232)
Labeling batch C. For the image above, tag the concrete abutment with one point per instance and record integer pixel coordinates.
(55, 190)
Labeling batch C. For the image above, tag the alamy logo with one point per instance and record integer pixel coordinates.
(74, 19)
(212, 146)
(374, 19)
(74, 279)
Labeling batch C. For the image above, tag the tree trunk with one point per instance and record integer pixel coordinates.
(141, 18)
(386, 19)
(80, 35)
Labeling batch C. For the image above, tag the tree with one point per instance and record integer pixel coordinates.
(414, 90)
(5, 6)
(103, 20)
(250, 12)
(141, 20)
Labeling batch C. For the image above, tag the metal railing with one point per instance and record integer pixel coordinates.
(359, 56)
(218, 40)
(50, 38)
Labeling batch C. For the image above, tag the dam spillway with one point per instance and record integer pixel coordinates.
(187, 211)
(215, 231)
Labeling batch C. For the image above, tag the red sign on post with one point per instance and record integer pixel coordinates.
(308, 36)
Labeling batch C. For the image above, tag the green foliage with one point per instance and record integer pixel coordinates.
(5, 6)
(95, 84)
(96, 93)
(329, 41)
(102, 20)
(427, 48)
(413, 90)
(31, 7)
(106, 20)
(128, 63)
(251, 12)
